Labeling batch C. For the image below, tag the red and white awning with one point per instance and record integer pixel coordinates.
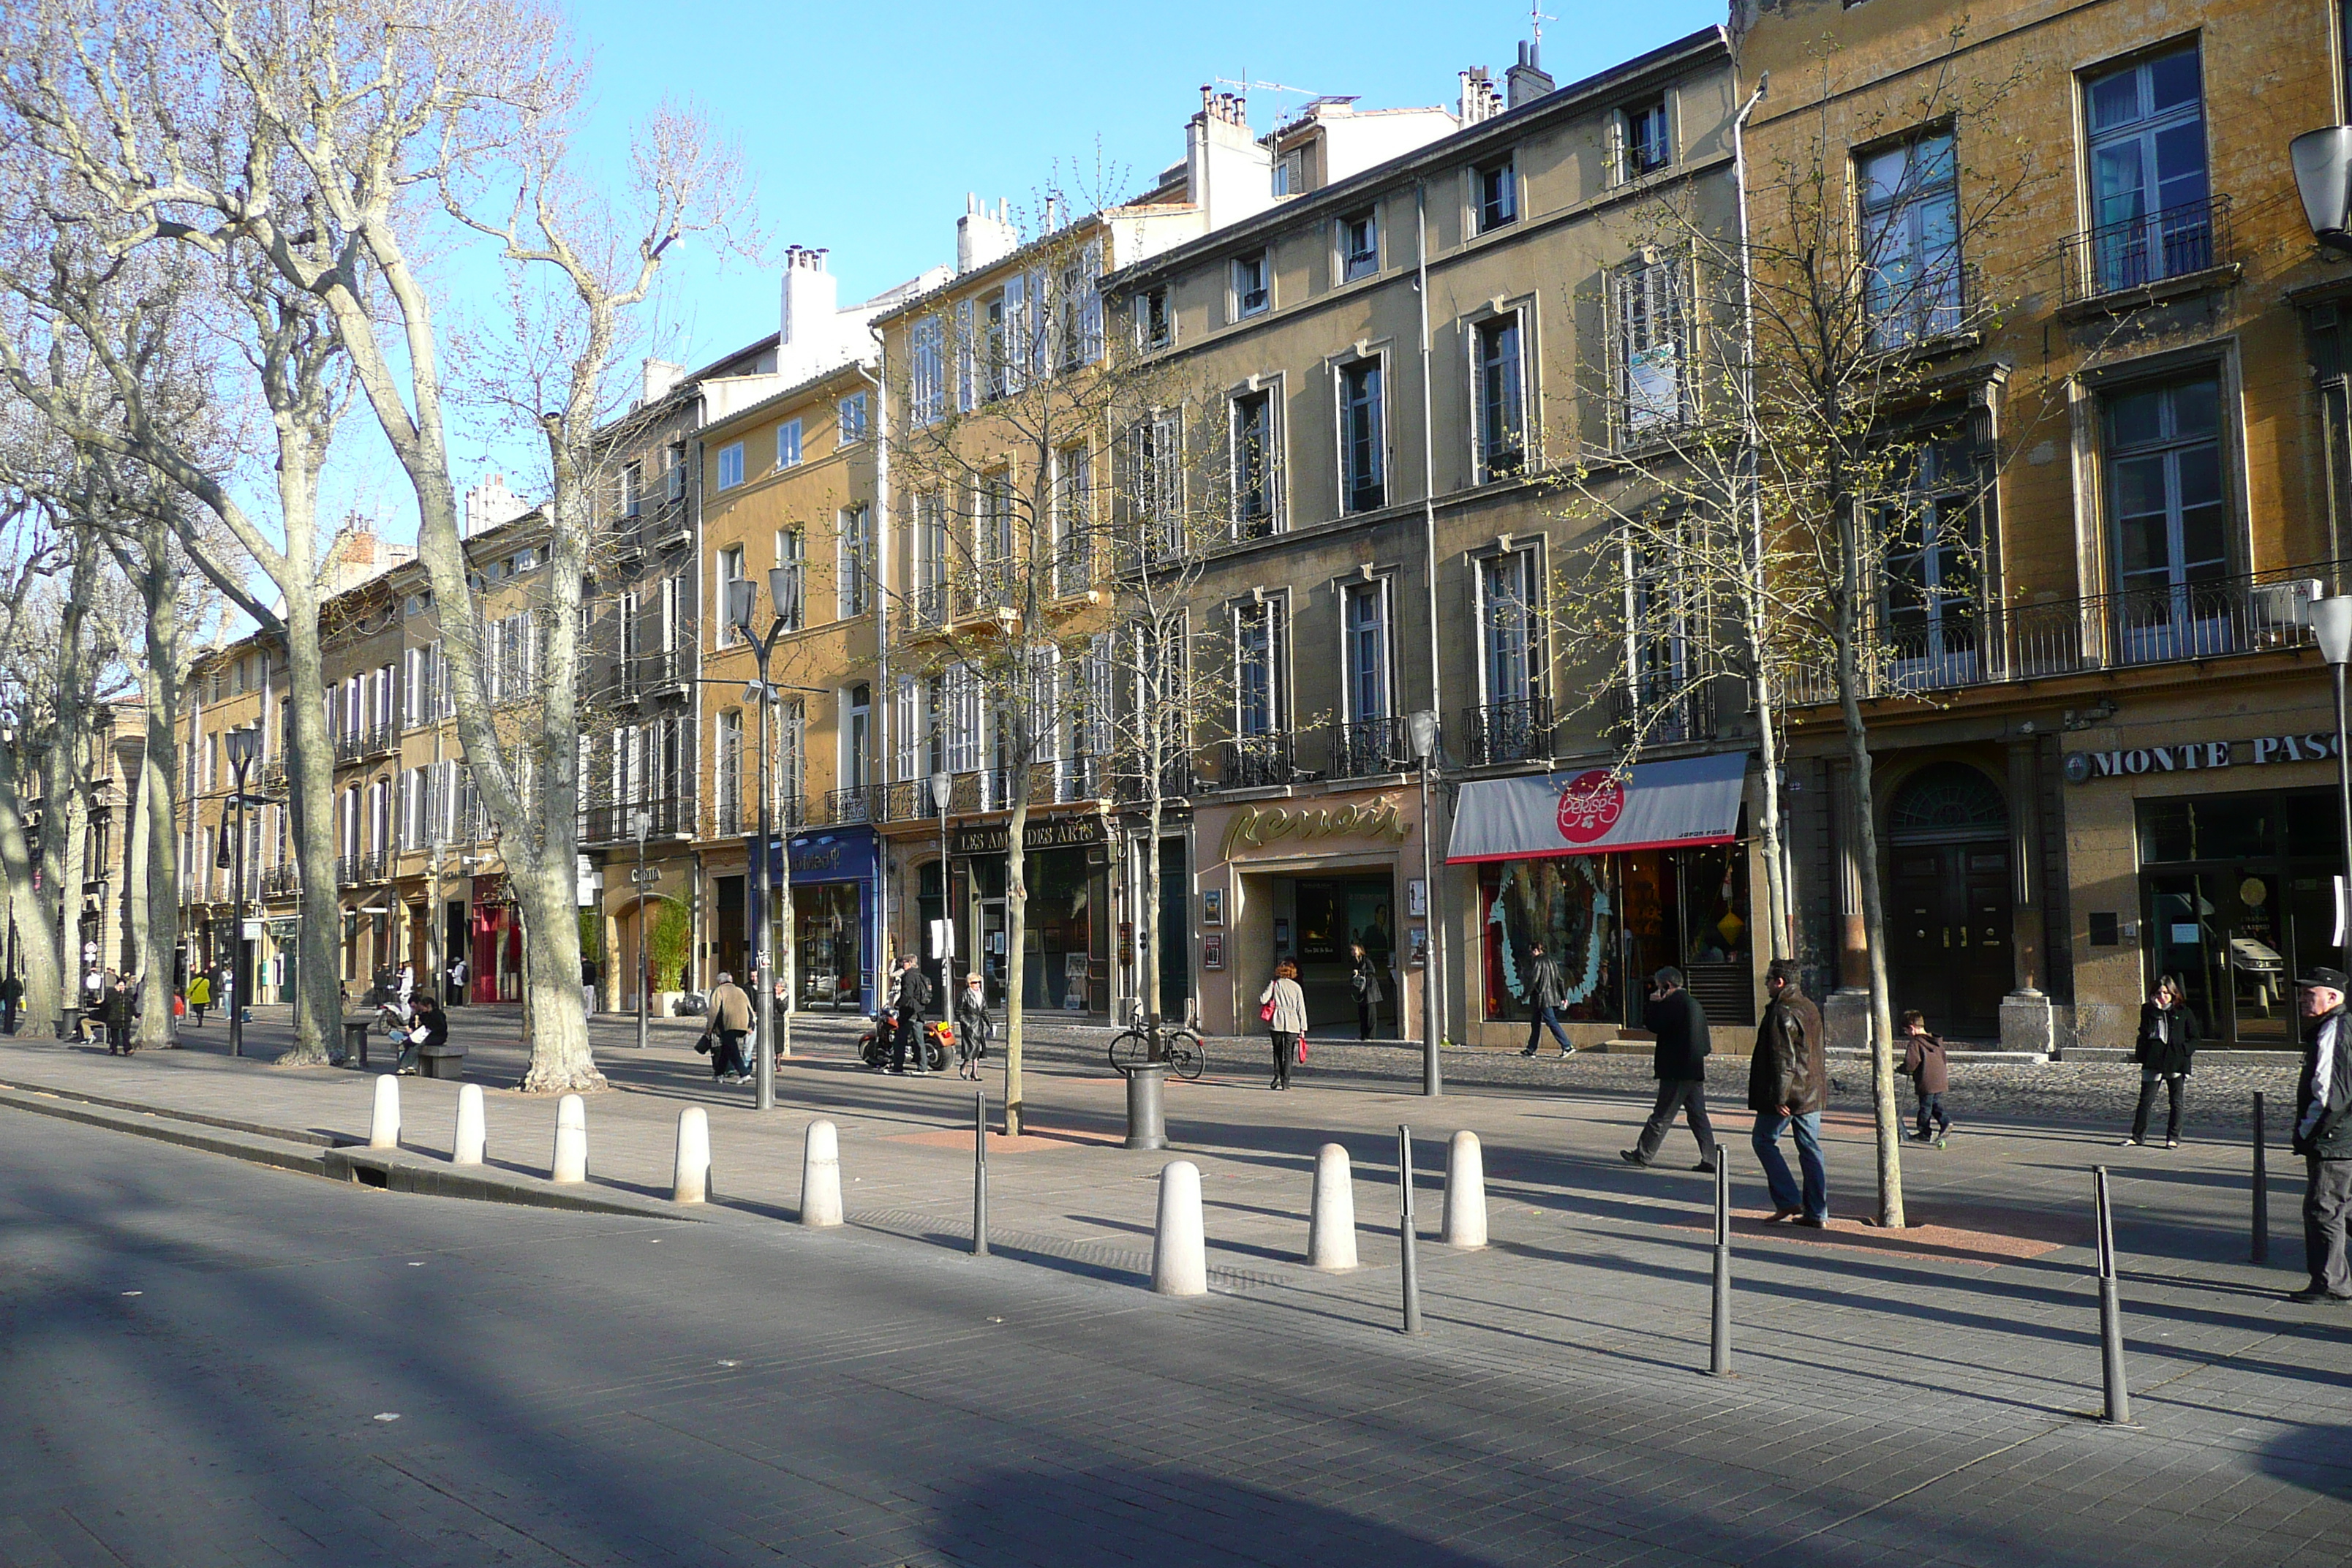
(1656, 806)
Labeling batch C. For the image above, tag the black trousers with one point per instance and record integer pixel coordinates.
(1687, 1098)
(2147, 1082)
(2326, 1204)
(1366, 1011)
(1285, 1051)
(728, 1056)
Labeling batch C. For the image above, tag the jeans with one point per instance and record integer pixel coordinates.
(1543, 1018)
(2326, 1202)
(1932, 1105)
(2148, 1078)
(1285, 1051)
(1814, 1201)
(1688, 1096)
(908, 1037)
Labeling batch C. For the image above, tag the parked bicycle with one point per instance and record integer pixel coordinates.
(1187, 1053)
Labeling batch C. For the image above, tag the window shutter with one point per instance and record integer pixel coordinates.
(1090, 305)
(906, 722)
(1619, 163)
(967, 378)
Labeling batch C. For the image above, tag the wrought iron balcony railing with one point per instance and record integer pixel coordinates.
(1366, 746)
(282, 881)
(1658, 711)
(616, 823)
(2148, 248)
(1256, 761)
(847, 808)
(1501, 732)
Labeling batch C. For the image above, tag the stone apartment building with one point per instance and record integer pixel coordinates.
(2103, 738)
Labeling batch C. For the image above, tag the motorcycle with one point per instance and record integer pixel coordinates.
(874, 1046)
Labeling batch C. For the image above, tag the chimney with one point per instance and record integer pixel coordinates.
(490, 503)
(1480, 101)
(660, 378)
(1230, 173)
(983, 238)
(807, 338)
(1526, 81)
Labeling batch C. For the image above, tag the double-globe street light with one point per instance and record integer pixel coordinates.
(2323, 174)
(743, 603)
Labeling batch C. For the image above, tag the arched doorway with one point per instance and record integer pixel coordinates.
(1949, 901)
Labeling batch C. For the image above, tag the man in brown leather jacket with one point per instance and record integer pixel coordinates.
(1788, 1085)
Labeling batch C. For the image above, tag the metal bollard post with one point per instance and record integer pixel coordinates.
(1719, 1362)
(2111, 1319)
(980, 1172)
(2262, 1187)
(1405, 1229)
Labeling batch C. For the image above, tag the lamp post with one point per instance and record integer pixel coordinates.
(742, 601)
(2331, 622)
(2323, 174)
(642, 821)
(943, 792)
(1421, 727)
(242, 746)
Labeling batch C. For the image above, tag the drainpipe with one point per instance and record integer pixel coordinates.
(884, 700)
(1433, 972)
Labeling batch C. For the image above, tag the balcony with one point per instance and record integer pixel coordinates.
(924, 608)
(1066, 781)
(273, 779)
(2141, 254)
(670, 673)
(994, 584)
(848, 807)
(740, 819)
(1507, 733)
(1258, 762)
(616, 823)
(1661, 712)
(1369, 746)
(283, 881)
(1176, 782)
(1971, 645)
(1074, 564)
(368, 741)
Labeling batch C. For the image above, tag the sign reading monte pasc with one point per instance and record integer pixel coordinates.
(2197, 757)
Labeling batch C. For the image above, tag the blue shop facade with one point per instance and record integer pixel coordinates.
(836, 916)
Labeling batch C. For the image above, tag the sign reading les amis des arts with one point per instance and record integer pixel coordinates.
(2197, 757)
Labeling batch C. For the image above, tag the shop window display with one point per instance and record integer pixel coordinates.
(1565, 903)
(1605, 916)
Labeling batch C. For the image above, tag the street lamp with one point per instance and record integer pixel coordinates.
(2322, 174)
(642, 822)
(1421, 729)
(943, 792)
(2331, 624)
(742, 601)
(242, 744)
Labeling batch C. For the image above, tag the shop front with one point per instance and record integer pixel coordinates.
(833, 914)
(1066, 942)
(1615, 877)
(1309, 880)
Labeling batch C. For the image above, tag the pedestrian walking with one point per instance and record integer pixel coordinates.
(974, 1028)
(2166, 1044)
(1788, 1085)
(457, 983)
(1679, 1062)
(1282, 1006)
(730, 1020)
(1930, 1076)
(430, 1029)
(200, 997)
(911, 998)
(1364, 980)
(2323, 1135)
(114, 1013)
(1546, 992)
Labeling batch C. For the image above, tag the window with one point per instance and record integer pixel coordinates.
(730, 569)
(1360, 247)
(730, 780)
(1153, 325)
(2151, 216)
(1506, 614)
(1252, 293)
(855, 568)
(1261, 694)
(1290, 173)
(994, 525)
(926, 372)
(788, 444)
(1931, 577)
(1648, 146)
(856, 735)
(1647, 325)
(730, 465)
(1364, 628)
(1911, 241)
(1494, 189)
(1502, 397)
(1159, 480)
(633, 488)
(1074, 520)
(1078, 312)
(1363, 465)
(792, 552)
(521, 562)
(999, 333)
(2170, 517)
(853, 418)
(1253, 465)
(931, 544)
(677, 455)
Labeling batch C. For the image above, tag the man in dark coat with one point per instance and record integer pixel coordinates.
(1788, 1085)
(1675, 1017)
(913, 997)
(2323, 1136)
(1547, 990)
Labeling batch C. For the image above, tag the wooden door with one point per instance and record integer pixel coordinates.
(1947, 938)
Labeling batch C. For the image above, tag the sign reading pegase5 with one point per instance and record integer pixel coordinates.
(1592, 810)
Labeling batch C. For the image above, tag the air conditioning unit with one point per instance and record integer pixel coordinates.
(2278, 609)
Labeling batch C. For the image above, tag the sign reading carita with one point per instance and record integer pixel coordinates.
(1257, 826)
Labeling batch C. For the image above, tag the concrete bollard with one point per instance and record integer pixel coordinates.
(383, 1125)
(1331, 1222)
(1180, 1258)
(821, 1175)
(571, 1161)
(473, 1133)
(689, 1180)
(1465, 1193)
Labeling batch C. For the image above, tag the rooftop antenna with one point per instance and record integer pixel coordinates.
(1537, 17)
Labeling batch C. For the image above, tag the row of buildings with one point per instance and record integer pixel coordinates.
(2103, 746)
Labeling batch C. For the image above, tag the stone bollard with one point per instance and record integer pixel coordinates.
(689, 1180)
(821, 1175)
(1180, 1261)
(1465, 1193)
(1331, 1222)
(473, 1134)
(570, 1163)
(384, 1126)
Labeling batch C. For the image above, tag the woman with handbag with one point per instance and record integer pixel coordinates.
(2167, 1043)
(1283, 1007)
(1364, 980)
(973, 1028)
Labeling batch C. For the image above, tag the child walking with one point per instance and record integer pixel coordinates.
(1930, 1075)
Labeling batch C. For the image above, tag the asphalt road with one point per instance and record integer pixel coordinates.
(206, 1362)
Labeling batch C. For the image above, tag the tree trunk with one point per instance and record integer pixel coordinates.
(548, 893)
(1147, 947)
(310, 799)
(1865, 836)
(1016, 911)
(155, 871)
(36, 931)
